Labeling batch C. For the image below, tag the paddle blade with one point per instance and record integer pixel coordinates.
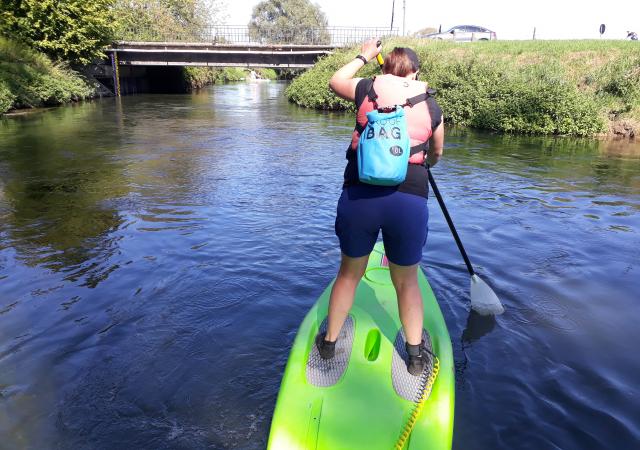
(483, 300)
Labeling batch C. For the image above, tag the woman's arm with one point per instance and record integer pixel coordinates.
(436, 144)
(342, 82)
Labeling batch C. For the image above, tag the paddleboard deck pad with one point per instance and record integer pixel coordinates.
(406, 385)
(364, 396)
(327, 372)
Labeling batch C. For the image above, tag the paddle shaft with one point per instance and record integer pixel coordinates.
(443, 207)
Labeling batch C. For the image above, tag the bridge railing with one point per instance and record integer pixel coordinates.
(243, 35)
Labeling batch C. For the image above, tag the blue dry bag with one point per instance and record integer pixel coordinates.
(384, 148)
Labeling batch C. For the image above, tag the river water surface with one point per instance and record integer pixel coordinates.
(158, 254)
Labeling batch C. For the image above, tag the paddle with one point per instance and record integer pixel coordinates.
(483, 300)
(379, 56)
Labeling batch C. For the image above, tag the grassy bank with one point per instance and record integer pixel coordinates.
(28, 79)
(580, 88)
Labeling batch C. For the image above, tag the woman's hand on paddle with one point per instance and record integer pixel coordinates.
(371, 48)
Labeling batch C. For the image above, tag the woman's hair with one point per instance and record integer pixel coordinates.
(401, 62)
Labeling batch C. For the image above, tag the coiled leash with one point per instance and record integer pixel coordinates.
(417, 409)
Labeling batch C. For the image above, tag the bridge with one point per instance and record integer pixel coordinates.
(233, 46)
(250, 55)
(237, 46)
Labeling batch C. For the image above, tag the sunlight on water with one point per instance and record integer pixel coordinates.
(158, 254)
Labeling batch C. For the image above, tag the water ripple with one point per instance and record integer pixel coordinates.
(154, 269)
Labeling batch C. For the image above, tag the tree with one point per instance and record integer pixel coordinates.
(70, 30)
(288, 21)
(166, 20)
(425, 31)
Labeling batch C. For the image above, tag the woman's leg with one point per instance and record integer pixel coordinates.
(357, 227)
(343, 292)
(404, 231)
(405, 280)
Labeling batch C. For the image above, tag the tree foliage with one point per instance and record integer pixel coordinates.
(288, 21)
(70, 30)
(167, 20)
(425, 31)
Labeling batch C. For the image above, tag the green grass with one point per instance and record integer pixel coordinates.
(580, 88)
(29, 79)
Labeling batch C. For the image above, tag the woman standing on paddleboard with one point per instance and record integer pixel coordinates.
(400, 211)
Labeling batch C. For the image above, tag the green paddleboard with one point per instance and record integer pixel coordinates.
(363, 398)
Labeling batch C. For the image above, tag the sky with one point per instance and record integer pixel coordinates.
(553, 19)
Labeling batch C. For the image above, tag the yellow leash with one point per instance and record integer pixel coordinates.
(408, 427)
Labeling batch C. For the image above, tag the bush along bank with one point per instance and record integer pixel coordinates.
(199, 77)
(29, 79)
(579, 88)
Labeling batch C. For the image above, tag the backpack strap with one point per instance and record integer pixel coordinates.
(410, 102)
(414, 101)
(372, 95)
(420, 98)
(419, 148)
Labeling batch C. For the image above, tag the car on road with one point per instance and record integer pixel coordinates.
(463, 33)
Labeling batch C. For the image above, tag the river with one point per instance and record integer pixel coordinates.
(158, 253)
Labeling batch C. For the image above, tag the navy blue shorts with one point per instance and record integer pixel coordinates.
(365, 210)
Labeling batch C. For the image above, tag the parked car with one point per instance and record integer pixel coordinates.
(464, 33)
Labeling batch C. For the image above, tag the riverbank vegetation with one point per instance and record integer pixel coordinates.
(199, 77)
(579, 88)
(74, 31)
(40, 43)
(44, 44)
(29, 79)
